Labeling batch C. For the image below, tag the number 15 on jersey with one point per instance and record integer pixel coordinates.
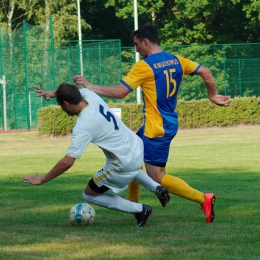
(169, 79)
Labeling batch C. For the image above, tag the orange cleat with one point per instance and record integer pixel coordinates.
(208, 207)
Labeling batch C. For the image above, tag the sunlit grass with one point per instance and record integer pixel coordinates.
(35, 223)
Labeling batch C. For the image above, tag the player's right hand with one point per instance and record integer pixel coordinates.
(35, 180)
(42, 93)
(221, 100)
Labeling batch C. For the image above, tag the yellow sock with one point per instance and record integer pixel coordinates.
(181, 188)
(133, 191)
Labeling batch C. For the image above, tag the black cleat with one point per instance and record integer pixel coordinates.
(163, 195)
(142, 216)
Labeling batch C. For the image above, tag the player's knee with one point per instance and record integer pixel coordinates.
(156, 172)
(156, 176)
(88, 198)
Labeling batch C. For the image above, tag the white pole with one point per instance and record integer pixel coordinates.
(30, 109)
(2, 81)
(138, 90)
(80, 39)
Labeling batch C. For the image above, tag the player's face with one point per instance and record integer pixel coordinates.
(140, 46)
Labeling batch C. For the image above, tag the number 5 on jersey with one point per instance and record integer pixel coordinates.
(108, 116)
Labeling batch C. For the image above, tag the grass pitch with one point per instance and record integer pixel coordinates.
(35, 223)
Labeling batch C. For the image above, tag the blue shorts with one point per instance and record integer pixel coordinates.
(156, 150)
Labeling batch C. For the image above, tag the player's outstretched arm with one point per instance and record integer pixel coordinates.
(116, 91)
(46, 94)
(62, 166)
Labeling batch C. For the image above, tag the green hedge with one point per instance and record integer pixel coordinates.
(203, 113)
(53, 121)
(192, 114)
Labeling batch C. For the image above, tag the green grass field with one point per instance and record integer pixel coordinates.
(35, 223)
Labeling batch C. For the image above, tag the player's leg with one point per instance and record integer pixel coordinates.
(134, 187)
(133, 193)
(156, 151)
(160, 191)
(174, 185)
(96, 195)
(179, 187)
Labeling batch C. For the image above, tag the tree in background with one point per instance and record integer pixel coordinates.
(179, 21)
(35, 12)
(208, 21)
(202, 22)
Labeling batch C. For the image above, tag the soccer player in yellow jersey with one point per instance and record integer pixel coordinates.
(159, 74)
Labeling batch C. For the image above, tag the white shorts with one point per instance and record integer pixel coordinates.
(115, 177)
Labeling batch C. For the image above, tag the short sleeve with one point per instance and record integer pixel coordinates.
(136, 76)
(189, 67)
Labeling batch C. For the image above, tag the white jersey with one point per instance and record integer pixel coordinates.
(123, 148)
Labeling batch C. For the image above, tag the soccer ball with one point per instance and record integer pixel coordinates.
(82, 214)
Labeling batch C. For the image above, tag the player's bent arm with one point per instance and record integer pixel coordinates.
(209, 81)
(63, 165)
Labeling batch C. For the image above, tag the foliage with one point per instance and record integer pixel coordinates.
(104, 22)
(203, 113)
(53, 121)
(35, 12)
(179, 21)
(186, 22)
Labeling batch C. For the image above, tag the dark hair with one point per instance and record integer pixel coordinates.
(149, 32)
(68, 92)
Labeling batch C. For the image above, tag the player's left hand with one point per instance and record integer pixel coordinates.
(35, 180)
(221, 100)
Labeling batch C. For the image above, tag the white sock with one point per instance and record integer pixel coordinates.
(146, 181)
(115, 202)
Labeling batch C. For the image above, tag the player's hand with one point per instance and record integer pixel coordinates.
(35, 180)
(78, 79)
(42, 93)
(221, 100)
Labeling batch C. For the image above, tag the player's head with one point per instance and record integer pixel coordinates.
(68, 94)
(147, 32)
(144, 39)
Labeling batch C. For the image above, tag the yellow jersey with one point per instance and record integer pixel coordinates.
(159, 77)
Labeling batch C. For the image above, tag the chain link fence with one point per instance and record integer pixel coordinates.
(30, 56)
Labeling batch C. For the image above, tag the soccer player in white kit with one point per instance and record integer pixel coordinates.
(123, 149)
